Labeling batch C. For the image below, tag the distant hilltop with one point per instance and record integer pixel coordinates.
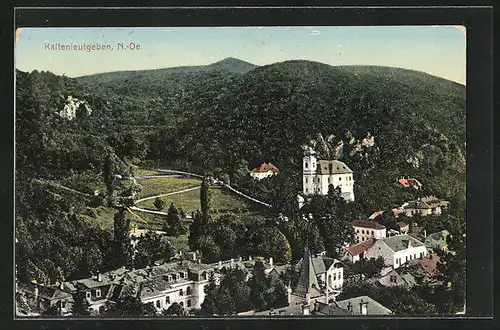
(229, 64)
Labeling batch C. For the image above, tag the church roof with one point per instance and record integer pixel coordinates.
(307, 283)
(330, 167)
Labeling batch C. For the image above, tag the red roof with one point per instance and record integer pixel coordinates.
(407, 183)
(375, 214)
(428, 264)
(359, 248)
(367, 224)
(397, 211)
(266, 167)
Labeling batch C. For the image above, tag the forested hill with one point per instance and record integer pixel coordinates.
(224, 122)
(230, 65)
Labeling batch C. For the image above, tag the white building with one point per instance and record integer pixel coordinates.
(365, 230)
(265, 170)
(318, 175)
(397, 250)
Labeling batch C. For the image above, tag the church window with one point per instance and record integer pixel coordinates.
(307, 165)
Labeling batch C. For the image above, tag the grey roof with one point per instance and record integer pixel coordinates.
(331, 309)
(436, 239)
(373, 307)
(400, 242)
(330, 167)
(307, 283)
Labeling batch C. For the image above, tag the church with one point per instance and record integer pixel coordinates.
(318, 175)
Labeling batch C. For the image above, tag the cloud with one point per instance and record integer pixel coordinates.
(315, 33)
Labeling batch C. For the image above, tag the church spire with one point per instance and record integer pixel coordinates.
(307, 283)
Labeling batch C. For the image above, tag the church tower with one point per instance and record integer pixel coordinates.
(309, 165)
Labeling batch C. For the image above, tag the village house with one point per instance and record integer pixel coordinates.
(420, 270)
(265, 170)
(365, 230)
(319, 175)
(397, 250)
(424, 207)
(357, 251)
(38, 298)
(404, 228)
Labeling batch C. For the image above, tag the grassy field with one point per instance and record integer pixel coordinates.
(220, 200)
(157, 186)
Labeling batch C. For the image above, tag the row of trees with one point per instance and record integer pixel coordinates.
(235, 294)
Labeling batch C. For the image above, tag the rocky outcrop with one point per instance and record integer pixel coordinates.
(74, 108)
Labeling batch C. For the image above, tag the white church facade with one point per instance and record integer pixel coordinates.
(318, 175)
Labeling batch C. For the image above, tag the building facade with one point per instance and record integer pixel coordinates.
(365, 230)
(320, 175)
(397, 250)
(265, 170)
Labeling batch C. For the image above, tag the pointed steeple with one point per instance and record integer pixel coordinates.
(307, 283)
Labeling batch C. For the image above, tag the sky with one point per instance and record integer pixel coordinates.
(437, 50)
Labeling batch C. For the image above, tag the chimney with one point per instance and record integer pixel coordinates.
(308, 299)
(194, 256)
(425, 233)
(198, 261)
(240, 259)
(232, 262)
(409, 244)
(249, 258)
(363, 307)
(271, 261)
(61, 286)
(99, 276)
(220, 263)
(180, 253)
(326, 295)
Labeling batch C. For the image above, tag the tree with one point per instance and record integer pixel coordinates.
(152, 247)
(175, 309)
(174, 222)
(209, 249)
(81, 306)
(205, 200)
(269, 241)
(195, 231)
(121, 238)
(159, 203)
(132, 306)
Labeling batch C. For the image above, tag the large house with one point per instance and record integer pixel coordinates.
(365, 229)
(410, 183)
(397, 250)
(263, 171)
(319, 175)
(355, 306)
(425, 206)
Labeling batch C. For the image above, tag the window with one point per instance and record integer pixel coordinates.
(334, 277)
(88, 294)
(406, 258)
(306, 180)
(372, 233)
(181, 275)
(410, 256)
(307, 190)
(307, 165)
(397, 262)
(158, 304)
(363, 231)
(328, 180)
(357, 230)
(340, 276)
(363, 239)
(63, 304)
(340, 178)
(181, 303)
(181, 292)
(98, 293)
(167, 300)
(188, 290)
(174, 277)
(189, 303)
(415, 256)
(393, 279)
(421, 255)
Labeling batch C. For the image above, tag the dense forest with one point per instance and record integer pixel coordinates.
(223, 120)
